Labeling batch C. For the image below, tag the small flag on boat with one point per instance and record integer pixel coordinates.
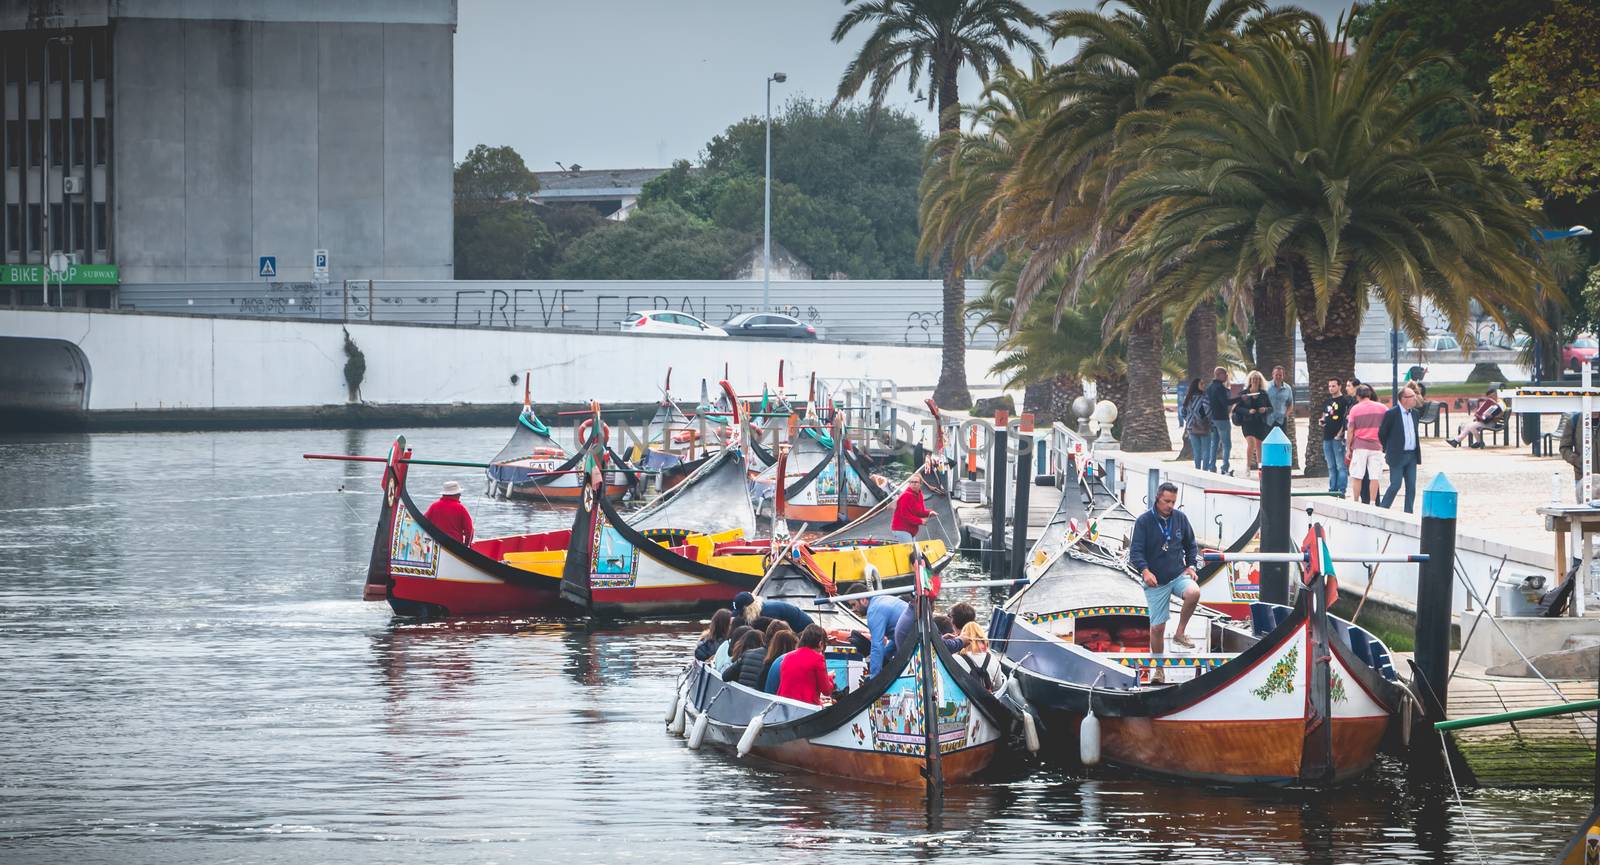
(927, 580)
(1320, 561)
(1094, 530)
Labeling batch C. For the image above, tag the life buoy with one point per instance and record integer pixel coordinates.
(583, 432)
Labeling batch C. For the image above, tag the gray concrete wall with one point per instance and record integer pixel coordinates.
(235, 139)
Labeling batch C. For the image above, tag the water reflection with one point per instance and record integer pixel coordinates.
(193, 678)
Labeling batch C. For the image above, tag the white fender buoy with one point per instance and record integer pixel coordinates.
(672, 710)
(1089, 740)
(1014, 688)
(680, 720)
(1030, 732)
(698, 734)
(870, 575)
(748, 740)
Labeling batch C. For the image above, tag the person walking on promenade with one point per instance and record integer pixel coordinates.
(1280, 393)
(1333, 423)
(1194, 417)
(1571, 449)
(1253, 413)
(1220, 399)
(1401, 448)
(1364, 455)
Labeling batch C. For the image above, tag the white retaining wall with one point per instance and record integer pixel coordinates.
(140, 361)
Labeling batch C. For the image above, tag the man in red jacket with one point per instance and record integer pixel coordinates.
(449, 515)
(909, 511)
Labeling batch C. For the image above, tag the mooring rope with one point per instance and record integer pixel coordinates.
(1444, 751)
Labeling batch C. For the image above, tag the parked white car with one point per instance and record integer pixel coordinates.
(668, 321)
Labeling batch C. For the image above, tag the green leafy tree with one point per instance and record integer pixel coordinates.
(502, 242)
(662, 241)
(497, 233)
(928, 42)
(1547, 97)
(493, 176)
(1295, 155)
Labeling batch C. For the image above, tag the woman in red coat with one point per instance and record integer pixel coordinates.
(909, 511)
(804, 673)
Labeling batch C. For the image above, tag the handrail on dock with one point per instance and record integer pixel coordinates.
(1518, 715)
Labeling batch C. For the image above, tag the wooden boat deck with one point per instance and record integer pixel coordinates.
(1540, 752)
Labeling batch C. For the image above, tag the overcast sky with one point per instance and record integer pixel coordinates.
(639, 83)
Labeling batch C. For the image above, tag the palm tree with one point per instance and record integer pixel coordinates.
(1292, 157)
(934, 39)
(1081, 152)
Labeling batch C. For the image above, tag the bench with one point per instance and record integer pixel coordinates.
(1552, 440)
(1435, 414)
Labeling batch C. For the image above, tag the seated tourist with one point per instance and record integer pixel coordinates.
(750, 607)
(805, 675)
(747, 664)
(723, 656)
(976, 656)
(780, 644)
(714, 635)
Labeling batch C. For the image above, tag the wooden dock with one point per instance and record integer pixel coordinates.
(1541, 752)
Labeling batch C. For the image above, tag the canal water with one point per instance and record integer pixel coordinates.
(190, 676)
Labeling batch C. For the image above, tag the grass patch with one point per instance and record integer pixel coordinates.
(1396, 628)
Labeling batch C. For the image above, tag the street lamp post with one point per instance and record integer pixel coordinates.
(766, 215)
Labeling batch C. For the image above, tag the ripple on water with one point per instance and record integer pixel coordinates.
(190, 677)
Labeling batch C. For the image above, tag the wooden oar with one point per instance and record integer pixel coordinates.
(455, 464)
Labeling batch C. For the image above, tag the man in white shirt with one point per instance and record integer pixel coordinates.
(1398, 434)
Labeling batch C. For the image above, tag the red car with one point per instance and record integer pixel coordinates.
(1579, 350)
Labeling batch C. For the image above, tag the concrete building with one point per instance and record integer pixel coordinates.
(612, 191)
(171, 141)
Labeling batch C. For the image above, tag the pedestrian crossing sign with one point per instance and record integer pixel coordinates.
(268, 268)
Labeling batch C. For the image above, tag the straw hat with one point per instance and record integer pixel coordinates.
(451, 488)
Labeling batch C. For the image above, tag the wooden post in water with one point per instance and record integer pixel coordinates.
(1019, 514)
(997, 495)
(1277, 455)
(1435, 579)
(933, 767)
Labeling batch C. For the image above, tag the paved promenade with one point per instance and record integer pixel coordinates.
(1501, 487)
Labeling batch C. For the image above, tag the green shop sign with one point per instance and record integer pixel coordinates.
(77, 274)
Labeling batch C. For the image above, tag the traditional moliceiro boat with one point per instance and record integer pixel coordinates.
(1293, 695)
(533, 465)
(923, 720)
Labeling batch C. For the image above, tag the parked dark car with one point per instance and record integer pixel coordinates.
(762, 325)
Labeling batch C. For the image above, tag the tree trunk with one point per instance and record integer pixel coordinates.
(1145, 415)
(951, 391)
(1330, 347)
(1064, 389)
(1037, 402)
(1200, 342)
(1113, 385)
(1274, 343)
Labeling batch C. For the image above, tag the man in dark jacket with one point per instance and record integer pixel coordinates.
(1333, 422)
(1219, 399)
(1571, 447)
(748, 607)
(1402, 448)
(1164, 552)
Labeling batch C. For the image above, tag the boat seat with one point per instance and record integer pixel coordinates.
(1362, 647)
(741, 548)
(688, 551)
(1260, 618)
(1278, 615)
